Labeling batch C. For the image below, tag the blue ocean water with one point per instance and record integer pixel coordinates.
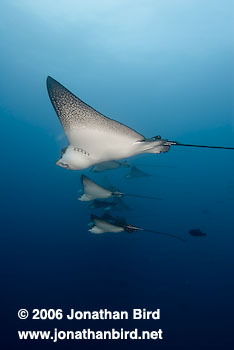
(163, 68)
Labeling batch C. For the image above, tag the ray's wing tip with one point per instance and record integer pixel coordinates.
(53, 84)
(50, 82)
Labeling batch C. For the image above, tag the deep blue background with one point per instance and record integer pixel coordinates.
(162, 67)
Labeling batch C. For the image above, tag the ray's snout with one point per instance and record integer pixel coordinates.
(62, 164)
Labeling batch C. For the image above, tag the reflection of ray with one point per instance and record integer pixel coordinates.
(115, 204)
(97, 204)
(135, 173)
(113, 164)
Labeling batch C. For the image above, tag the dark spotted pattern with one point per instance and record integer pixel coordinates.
(74, 113)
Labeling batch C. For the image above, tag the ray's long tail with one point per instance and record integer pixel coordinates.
(175, 143)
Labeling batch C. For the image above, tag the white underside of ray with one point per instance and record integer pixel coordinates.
(102, 226)
(96, 230)
(93, 191)
(106, 146)
(97, 146)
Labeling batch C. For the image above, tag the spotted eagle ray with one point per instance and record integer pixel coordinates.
(117, 221)
(112, 164)
(94, 191)
(101, 225)
(94, 138)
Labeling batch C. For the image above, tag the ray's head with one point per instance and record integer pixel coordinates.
(74, 158)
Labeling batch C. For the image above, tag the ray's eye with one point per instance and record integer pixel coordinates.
(63, 150)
